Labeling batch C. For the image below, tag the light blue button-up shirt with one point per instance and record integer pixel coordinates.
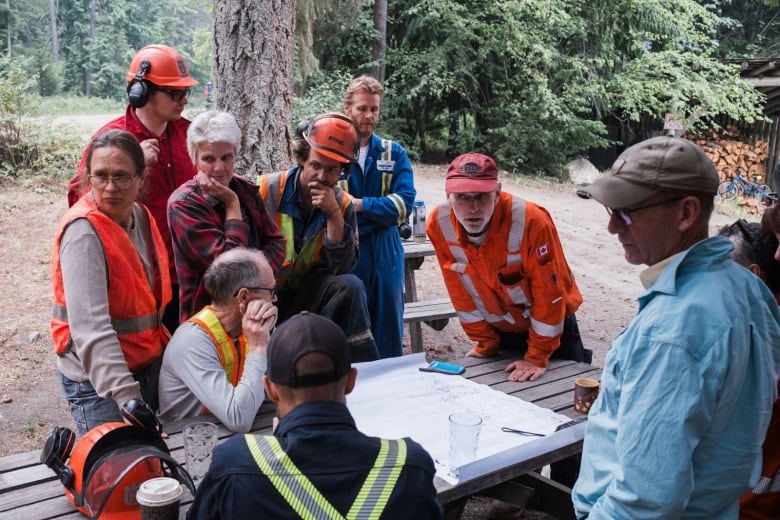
(686, 395)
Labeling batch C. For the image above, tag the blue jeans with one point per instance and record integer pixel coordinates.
(87, 408)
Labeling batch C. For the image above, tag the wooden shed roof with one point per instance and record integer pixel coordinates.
(764, 74)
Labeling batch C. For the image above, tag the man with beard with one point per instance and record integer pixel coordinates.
(382, 187)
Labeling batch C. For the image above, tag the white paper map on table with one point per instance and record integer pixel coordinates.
(393, 399)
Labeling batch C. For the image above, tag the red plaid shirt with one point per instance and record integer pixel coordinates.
(199, 233)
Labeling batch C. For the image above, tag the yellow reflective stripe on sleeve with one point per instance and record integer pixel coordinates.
(293, 485)
(387, 179)
(380, 482)
(400, 207)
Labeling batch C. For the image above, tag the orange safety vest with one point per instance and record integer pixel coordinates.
(231, 359)
(518, 280)
(135, 308)
(296, 264)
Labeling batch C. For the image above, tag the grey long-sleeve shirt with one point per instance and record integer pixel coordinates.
(192, 377)
(96, 355)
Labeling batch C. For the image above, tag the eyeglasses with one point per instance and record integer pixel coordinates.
(121, 182)
(625, 213)
(271, 291)
(176, 95)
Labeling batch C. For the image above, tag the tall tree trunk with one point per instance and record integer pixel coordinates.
(380, 44)
(253, 78)
(55, 41)
(91, 58)
(8, 27)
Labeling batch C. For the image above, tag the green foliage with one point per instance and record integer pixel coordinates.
(749, 29)
(49, 74)
(324, 95)
(660, 82)
(531, 82)
(536, 82)
(96, 50)
(26, 146)
(63, 105)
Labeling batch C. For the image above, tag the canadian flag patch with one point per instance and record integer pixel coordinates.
(542, 250)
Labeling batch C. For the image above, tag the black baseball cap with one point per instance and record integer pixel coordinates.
(303, 334)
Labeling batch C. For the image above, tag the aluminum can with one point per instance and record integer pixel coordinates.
(418, 221)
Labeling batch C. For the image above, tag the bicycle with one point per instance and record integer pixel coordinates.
(729, 189)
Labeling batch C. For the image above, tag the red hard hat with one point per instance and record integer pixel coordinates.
(165, 67)
(109, 464)
(335, 136)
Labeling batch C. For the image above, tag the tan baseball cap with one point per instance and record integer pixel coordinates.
(656, 165)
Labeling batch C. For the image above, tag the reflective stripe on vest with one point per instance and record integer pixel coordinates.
(513, 257)
(387, 180)
(768, 485)
(232, 362)
(120, 325)
(135, 304)
(307, 501)
(516, 294)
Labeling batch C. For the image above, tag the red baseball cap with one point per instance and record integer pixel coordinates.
(472, 173)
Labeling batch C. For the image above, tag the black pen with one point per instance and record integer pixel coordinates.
(521, 432)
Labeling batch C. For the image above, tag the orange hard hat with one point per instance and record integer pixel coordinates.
(161, 65)
(335, 136)
(108, 465)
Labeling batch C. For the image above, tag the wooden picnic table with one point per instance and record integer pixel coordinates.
(30, 491)
(435, 313)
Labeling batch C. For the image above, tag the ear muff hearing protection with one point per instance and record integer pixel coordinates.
(138, 89)
(107, 465)
(56, 451)
(137, 412)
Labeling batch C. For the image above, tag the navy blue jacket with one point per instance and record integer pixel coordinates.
(321, 439)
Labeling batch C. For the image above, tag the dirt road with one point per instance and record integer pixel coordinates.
(30, 397)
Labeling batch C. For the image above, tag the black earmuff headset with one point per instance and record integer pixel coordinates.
(56, 451)
(138, 89)
(60, 442)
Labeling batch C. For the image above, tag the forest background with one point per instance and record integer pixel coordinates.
(532, 82)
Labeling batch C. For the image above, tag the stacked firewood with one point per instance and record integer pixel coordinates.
(728, 151)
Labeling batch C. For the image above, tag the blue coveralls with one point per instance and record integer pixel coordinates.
(387, 190)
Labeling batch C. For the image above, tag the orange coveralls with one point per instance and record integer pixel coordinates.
(518, 280)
